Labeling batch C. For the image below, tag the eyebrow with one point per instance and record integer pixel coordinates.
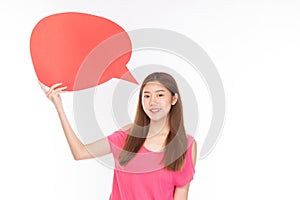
(155, 91)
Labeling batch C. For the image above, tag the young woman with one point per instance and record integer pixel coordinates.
(154, 157)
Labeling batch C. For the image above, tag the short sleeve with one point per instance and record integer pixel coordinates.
(116, 141)
(183, 177)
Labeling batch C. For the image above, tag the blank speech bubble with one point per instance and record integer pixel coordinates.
(60, 43)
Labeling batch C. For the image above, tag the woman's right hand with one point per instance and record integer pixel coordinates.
(53, 93)
(79, 150)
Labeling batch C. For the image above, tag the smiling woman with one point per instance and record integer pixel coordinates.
(154, 154)
(157, 100)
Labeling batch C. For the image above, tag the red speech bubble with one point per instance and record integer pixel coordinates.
(60, 43)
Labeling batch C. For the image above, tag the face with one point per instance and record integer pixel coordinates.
(157, 100)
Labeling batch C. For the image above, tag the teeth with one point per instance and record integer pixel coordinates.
(154, 110)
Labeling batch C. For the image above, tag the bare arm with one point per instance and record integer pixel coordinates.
(79, 150)
(181, 193)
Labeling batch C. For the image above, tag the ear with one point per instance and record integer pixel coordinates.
(174, 99)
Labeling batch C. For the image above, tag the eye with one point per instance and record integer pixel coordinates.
(160, 95)
(146, 96)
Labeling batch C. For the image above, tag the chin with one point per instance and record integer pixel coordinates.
(157, 118)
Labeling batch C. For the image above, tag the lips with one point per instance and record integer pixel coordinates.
(155, 110)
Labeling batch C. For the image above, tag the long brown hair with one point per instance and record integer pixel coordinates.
(176, 141)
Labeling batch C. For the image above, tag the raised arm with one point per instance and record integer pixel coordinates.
(79, 150)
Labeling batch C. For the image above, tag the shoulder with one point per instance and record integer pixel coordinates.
(192, 144)
(126, 127)
(190, 138)
(192, 148)
(118, 137)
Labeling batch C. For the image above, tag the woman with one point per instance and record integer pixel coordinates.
(154, 157)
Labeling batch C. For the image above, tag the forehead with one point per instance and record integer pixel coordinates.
(154, 86)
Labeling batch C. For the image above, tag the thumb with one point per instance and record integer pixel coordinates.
(42, 86)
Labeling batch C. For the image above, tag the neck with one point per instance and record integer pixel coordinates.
(159, 127)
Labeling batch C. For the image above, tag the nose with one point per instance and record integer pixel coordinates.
(153, 100)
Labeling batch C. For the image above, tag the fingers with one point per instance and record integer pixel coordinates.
(54, 89)
(53, 92)
(43, 86)
(59, 90)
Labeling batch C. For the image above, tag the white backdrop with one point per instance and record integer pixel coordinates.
(255, 46)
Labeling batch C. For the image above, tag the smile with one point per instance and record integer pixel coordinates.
(155, 110)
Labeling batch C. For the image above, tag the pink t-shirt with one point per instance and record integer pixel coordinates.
(144, 177)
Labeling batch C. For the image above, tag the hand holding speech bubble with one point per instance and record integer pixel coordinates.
(60, 43)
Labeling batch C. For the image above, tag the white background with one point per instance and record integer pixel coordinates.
(255, 46)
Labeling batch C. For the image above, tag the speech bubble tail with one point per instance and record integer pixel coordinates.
(129, 77)
(124, 74)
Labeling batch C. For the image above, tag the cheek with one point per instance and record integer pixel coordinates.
(144, 104)
(167, 104)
